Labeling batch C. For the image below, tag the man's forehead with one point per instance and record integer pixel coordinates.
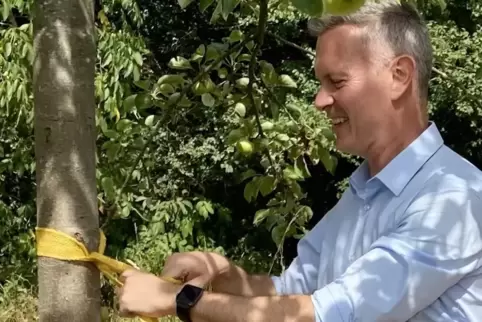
(339, 47)
(340, 38)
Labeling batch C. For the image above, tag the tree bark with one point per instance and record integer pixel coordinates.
(63, 84)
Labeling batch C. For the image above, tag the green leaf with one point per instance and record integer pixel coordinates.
(306, 213)
(442, 4)
(267, 185)
(478, 73)
(143, 84)
(112, 150)
(247, 174)
(277, 234)
(301, 166)
(122, 125)
(130, 102)
(244, 57)
(6, 10)
(204, 4)
(204, 208)
(171, 79)
(174, 98)
(212, 53)
(222, 73)
(228, 7)
(292, 108)
(282, 137)
(267, 126)
(327, 159)
(186, 229)
(209, 207)
(328, 133)
(287, 81)
(136, 73)
(8, 49)
(111, 134)
(108, 187)
(310, 7)
(184, 3)
(180, 63)
(143, 101)
(268, 73)
(130, 68)
(234, 136)
(260, 216)
(107, 61)
(235, 36)
(296, 189)
(251, 190)
(290, 173)
(208, 100)
(137, 58)
(166, 89)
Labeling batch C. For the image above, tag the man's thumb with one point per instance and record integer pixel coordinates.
(200, 281)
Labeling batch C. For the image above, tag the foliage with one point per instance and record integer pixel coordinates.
(206, 126)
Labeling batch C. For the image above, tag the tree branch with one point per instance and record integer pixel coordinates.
(291, 44)
(12, 19)
(260, 32)
(163, 120)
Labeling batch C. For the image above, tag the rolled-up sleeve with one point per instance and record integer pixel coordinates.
(435, 244)
(301, 276)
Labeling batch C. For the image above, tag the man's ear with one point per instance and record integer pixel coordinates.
(403, 73)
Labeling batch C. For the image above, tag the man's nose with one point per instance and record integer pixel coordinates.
(323, 99)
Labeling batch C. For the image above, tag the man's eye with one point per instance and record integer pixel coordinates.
(337, 83)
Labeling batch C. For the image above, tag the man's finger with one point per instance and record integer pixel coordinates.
(126, 274)
(174, 272)
(125, 313)
(200, 281)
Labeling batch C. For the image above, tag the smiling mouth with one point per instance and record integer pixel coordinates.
(339, 120)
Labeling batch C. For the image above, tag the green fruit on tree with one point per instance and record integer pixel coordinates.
(104, 314)
(341, 7)
(240, 109)
(245, 147)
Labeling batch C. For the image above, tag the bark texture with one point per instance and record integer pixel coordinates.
(64, 70)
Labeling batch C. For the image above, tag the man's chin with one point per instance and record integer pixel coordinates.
(343, 146)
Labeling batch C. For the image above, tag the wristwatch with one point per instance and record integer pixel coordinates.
(186, 299)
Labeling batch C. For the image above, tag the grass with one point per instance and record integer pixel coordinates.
(19, 304)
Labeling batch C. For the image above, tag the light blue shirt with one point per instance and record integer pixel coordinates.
(404, 245)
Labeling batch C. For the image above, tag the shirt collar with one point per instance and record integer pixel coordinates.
(398, 173)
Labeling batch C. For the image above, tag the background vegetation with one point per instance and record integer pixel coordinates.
(200, 145)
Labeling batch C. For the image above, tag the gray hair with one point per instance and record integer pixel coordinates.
(396, 23)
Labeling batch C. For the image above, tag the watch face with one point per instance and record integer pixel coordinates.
(189, 294)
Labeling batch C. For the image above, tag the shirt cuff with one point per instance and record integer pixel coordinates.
(332, 305)
(278, 284)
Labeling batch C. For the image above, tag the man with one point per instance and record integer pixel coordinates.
(404, 243)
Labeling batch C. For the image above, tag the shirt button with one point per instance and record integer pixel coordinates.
(366, 207)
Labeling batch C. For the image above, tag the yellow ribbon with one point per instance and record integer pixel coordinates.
(55, 244)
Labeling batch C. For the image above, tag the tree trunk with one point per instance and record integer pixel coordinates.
(64, 70)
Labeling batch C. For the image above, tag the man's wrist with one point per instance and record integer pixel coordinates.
(173, 306)
(186, 299)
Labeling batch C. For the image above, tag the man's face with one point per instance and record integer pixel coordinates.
(355, 90)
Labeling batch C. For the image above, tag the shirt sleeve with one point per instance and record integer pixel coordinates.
(301, 276)
(436, 243)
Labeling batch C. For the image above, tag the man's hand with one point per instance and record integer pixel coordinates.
(146, 295)
(197, 268)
